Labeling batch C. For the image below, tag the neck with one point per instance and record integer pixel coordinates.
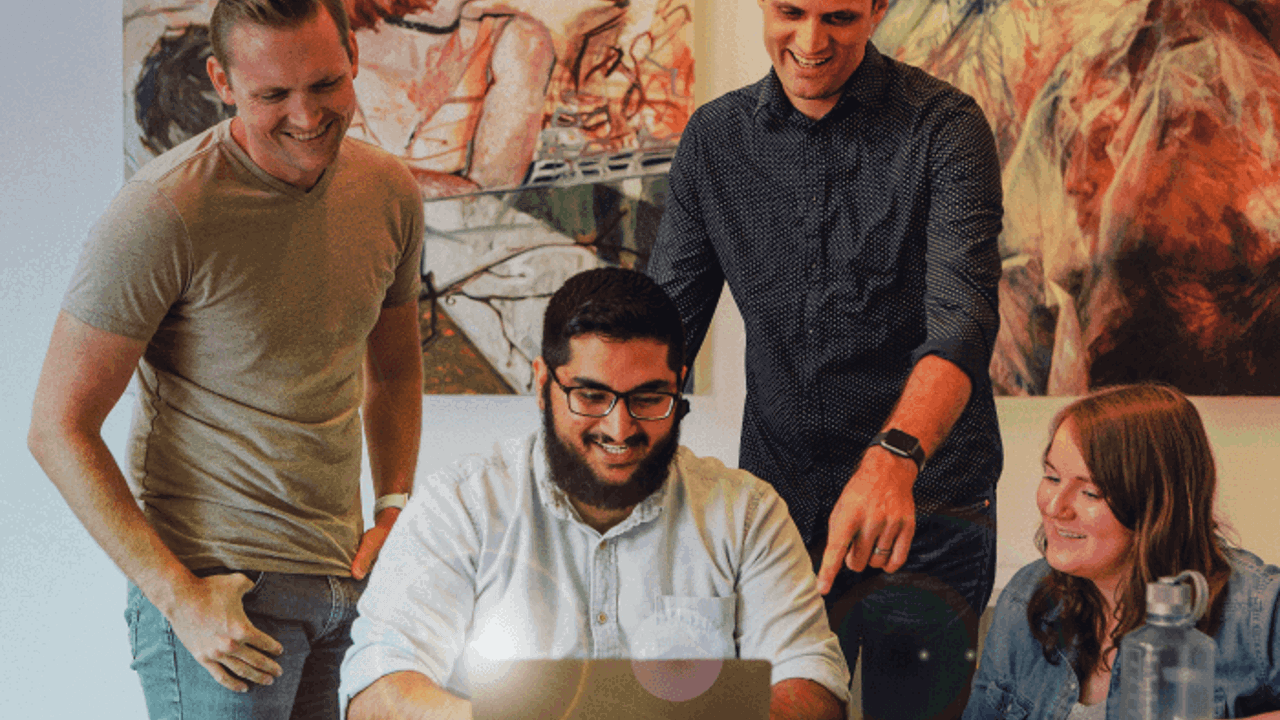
(600, 519)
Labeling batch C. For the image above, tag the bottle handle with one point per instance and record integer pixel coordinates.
(1200, 591)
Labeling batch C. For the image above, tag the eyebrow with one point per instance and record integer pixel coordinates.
(660, 385)
(327, 79)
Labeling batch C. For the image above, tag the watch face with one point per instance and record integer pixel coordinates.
(900, 441)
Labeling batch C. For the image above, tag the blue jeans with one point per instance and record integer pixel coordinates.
(310, 615)
(918, 628)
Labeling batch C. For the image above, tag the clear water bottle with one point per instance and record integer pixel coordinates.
(1166, 666)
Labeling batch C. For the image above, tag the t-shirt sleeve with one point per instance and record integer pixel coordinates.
(408, 279)
(780, 615)
(134, 267)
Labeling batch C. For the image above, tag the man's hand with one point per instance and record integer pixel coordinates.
(876, 511)
(371, 543)
(211, 624)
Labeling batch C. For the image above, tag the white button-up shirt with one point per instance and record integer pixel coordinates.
(490, 561)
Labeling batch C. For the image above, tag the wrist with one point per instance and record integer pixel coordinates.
(390, 501)
(386, 517)
(902, 444)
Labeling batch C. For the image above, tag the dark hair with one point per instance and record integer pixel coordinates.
(273, 14)
(1147, 453)
(616, 303)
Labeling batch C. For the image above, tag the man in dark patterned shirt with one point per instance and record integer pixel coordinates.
(853, 204)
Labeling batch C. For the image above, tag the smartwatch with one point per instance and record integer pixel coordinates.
(391, 500)
(901, 444)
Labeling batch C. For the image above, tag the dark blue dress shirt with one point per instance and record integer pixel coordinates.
(854, 245)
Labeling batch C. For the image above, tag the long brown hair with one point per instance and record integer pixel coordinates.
(1147, 453)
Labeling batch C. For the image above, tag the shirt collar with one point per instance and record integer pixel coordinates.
(556, 501)
(865, 87)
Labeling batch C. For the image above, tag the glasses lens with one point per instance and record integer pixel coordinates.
(650, 406)
(588, 401)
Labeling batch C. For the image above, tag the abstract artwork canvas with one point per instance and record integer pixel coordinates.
(540, 133)
(1140, 145)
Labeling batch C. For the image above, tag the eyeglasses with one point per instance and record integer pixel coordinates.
(599, 402)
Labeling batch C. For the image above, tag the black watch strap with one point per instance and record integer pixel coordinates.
(901, 444)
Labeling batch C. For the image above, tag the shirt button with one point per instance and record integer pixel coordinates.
(602, 618)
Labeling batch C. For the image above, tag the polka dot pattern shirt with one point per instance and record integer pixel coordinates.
(854, 245)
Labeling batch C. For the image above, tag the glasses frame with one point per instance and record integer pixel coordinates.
(625, 397)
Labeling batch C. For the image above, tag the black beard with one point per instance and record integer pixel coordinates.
(572, 474)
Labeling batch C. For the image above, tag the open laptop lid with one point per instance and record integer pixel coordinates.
(624, 690)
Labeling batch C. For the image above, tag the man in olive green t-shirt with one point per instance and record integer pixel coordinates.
(263, 280)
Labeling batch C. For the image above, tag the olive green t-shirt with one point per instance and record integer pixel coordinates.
(256, 300)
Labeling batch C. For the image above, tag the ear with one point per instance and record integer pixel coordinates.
(220, 79)
(878, 9)
(540, 380)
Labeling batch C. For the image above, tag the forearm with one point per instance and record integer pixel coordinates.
(84, 374)
(392, 409)
(87, 476)
(393, 429)
(407, 696)
(932, 400)
(801, 699)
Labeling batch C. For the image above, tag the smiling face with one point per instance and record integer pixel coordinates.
(815, 45)
(1083, 537)
(626, 459)
(293, 95)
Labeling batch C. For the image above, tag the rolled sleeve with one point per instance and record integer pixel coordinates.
(781, 617)
(962, 255)
(416, 610)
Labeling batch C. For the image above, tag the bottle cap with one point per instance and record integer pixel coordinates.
(1171, 597)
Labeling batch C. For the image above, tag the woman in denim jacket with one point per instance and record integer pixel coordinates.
(1126, 498)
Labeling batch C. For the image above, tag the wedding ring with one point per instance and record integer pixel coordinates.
(881, 551)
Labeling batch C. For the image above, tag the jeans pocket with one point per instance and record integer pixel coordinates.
(132, 609)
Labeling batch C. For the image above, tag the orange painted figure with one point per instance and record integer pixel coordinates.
(459, 98)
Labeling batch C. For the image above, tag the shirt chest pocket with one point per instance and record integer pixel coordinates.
(682, 627)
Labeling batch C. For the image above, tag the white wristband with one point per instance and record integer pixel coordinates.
(393, 500)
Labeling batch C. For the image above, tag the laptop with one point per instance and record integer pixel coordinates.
(623, 690)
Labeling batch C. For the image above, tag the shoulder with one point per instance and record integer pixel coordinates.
(368, 164)
(910, 84)
(1024, 583)
(1253, 583)
(199, 150)
(928, 103)
(725, 111)
(496, 469)
(711, 488)
(704, 473)
(191, 173)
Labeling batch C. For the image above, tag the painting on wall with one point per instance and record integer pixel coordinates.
(1140, 145)
(540, 133)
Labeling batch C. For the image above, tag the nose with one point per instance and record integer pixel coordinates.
(618, 424)
(305, 111)
(1055, 501)
(810, 37)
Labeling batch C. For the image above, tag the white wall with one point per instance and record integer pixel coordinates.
(65, 647)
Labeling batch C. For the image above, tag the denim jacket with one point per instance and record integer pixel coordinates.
(1016, 682)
